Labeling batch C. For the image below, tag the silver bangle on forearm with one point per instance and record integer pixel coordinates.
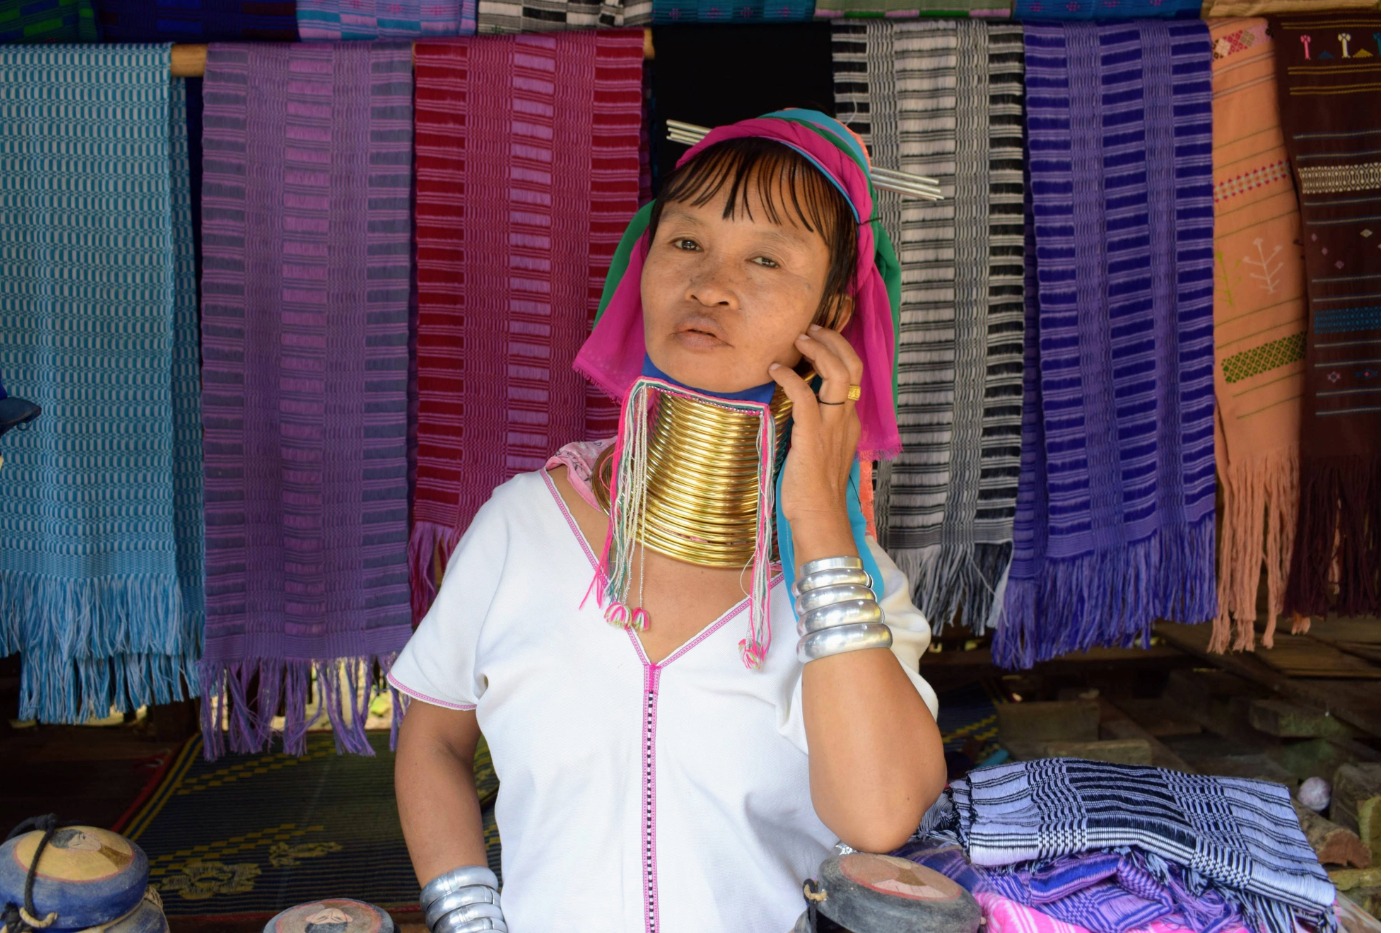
(843, 638)
(462, 900)
(836, 576)
(827, 595)
(850, 612)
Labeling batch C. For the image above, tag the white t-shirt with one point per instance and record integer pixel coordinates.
(635, 797)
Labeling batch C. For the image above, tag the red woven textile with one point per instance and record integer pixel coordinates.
(526, 159)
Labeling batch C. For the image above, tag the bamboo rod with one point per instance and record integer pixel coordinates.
(187, 60)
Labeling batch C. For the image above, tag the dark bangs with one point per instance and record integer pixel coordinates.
(787, 188)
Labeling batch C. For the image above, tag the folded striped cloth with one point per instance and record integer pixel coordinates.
(1103, 892)
(101, 538)
(1236, 837)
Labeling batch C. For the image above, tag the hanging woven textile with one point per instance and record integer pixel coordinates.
(1260, 333)
(519, 207)
(1040, 10)
(945, 100)
(1223, 8)
(336, 20)
(101, 573)
(1115, 521)
(906, 9)
(60, 21)
(307, 155)
(517, 16)
(1329, 73)
(197, 20)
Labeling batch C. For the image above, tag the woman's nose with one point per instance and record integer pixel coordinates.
(710, 285)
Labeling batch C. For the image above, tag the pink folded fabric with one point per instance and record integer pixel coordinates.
(1006, 916)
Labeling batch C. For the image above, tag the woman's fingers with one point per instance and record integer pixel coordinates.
(834, 359)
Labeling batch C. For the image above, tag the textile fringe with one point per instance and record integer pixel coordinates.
(945, 578)
(246, 695)
(1339, 538)
(1258, 520)
(95, 643)
(429, 547)
(1139, 584)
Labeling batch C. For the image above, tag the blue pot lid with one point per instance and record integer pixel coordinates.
(86, 875)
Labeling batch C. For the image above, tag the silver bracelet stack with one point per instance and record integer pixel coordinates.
(463, 900)
(837, 610)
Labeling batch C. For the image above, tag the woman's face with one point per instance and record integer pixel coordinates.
(723, 299)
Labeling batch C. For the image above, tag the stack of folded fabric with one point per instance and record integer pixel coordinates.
(1110, 848)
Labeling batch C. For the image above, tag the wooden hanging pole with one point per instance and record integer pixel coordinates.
(187, 60)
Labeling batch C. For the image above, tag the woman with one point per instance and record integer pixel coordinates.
(661, 776)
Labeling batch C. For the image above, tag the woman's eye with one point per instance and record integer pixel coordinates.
(687, 244)
(766, 262)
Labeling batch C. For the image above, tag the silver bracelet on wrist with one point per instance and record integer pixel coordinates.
(451, 924)
(850, 612)
(826, 595)
(461, 899)
(839, 576)
(842, 562)
(843, 638)
(462, 896)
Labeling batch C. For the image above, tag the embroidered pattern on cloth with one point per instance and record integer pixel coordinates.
(306, 297)
(519, 207)
(1329, 70)
(1260, 335)
(1115, 520)
(1236, 837)
(1220, 8)
(98, 313)
(945, 504)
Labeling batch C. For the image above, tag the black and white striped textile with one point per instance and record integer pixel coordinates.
(944, 100)
(1236, 835)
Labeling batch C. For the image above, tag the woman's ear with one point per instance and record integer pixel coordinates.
(845, 307)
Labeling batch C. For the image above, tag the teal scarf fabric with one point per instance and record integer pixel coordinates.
(101, 537)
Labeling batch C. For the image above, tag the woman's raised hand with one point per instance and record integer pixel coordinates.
(825, 430)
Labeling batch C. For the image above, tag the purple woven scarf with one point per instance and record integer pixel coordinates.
(306, 280)
(1115, 517)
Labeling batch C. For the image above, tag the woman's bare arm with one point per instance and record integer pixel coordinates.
(436, 789)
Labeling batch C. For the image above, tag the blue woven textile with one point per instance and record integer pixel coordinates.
(100, 503)
(732, 11)
(1033, 10)
(197, 20)
(1115, 516)
(335, 20)
(1200, 845)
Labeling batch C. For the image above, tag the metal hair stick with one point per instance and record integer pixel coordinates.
(911, 186)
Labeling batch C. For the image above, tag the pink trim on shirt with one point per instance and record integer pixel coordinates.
(397, 685)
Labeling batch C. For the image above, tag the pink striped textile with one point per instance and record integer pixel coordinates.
(526, 153)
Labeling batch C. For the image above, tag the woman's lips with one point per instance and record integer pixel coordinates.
(698, 340)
